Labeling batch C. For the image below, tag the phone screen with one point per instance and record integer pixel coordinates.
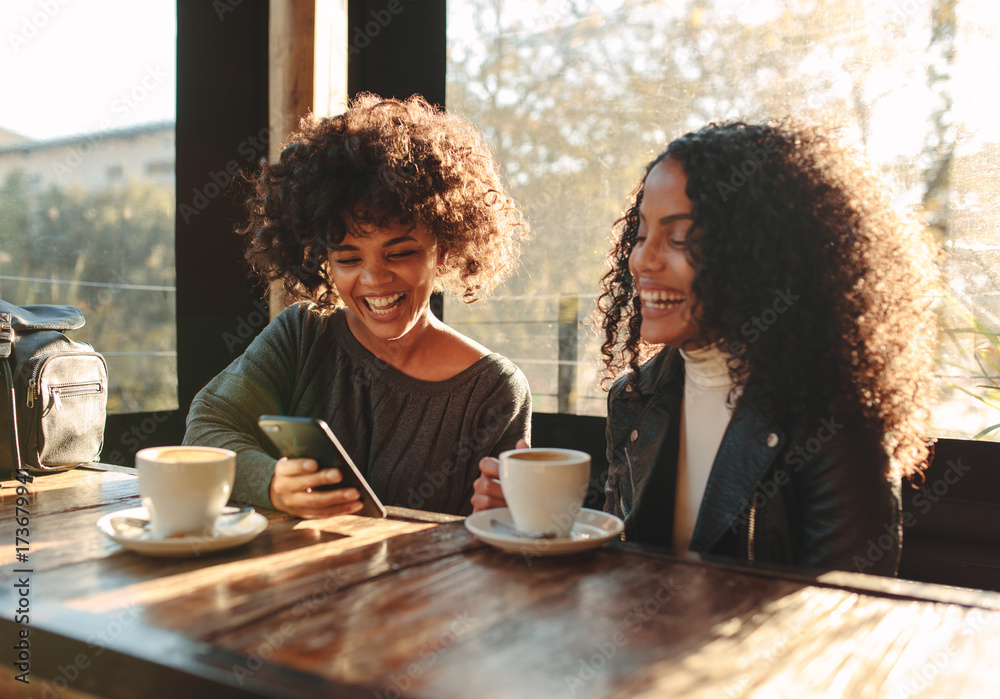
(304, 437)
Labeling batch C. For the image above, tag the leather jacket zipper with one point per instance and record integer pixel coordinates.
(621, 505)
(621, 500)
(751, 527)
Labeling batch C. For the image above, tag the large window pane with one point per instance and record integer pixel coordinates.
(87, 180)
(577, 96)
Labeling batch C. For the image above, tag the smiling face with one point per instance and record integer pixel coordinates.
(658, 261)
(385, 276)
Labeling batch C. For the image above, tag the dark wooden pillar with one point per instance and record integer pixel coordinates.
(222, 129)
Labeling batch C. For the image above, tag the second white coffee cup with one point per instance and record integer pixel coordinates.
(544, 488)
(184, 488)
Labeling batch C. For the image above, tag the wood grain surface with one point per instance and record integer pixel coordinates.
(415, 606)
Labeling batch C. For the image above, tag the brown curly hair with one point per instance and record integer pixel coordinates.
(383, 160)
(783, 208)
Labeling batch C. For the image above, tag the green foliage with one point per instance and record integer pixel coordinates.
(972, 352)
(109, 252)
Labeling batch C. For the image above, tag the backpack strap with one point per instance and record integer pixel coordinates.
(6, 335)
(6, 346)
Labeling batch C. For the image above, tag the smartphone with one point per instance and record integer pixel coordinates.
(306, 437)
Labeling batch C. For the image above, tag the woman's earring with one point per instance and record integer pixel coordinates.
(440, 269)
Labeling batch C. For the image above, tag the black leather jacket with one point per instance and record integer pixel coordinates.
(813, 494)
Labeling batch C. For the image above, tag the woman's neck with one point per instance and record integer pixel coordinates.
(430, 351)
(400, 352)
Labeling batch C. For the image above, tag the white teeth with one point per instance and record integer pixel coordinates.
(382, 305)
(382, 301)
(661, 298)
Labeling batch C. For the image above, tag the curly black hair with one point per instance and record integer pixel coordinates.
(818, 288)
(382, 161)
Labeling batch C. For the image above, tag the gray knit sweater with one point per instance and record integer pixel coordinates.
(418, 443)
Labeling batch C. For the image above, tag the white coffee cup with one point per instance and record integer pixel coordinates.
(184, 488)
(544, 488)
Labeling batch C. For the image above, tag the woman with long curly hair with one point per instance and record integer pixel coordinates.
(768, 321)
(361, 219)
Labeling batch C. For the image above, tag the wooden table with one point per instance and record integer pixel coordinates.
(401, 607)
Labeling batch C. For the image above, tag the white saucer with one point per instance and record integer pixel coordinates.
(592, 528)
(227, 535)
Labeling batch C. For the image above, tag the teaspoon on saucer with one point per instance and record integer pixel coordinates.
(120, 523)
(514, 531)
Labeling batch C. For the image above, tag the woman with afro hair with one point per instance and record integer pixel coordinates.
(768, 321)
(362, 218)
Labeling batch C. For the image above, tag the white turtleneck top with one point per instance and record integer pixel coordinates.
(704, 417)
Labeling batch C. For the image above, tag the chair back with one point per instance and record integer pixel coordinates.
(951, 523)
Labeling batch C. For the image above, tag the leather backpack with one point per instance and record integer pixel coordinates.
(54, 407)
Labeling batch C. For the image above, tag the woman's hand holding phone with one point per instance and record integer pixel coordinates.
(296, 489)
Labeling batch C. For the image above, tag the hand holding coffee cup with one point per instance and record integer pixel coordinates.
(184, 488)
(544, 488)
